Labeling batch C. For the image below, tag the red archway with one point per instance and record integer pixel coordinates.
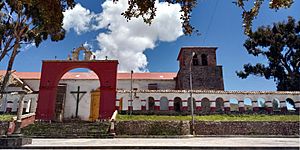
(52, 72)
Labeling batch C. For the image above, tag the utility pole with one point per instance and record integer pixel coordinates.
(130, 111)
(191, 95)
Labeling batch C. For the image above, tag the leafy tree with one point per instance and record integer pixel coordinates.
(28, 22)
(280, 44)
(249, 15)
(146, 9)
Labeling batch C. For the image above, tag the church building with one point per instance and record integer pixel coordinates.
(78, 92)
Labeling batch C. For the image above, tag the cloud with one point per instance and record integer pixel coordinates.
(126, 40)
(79, 19)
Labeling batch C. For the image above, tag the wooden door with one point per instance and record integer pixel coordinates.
(95, 104)
(60, 102)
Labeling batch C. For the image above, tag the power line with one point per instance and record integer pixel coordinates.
(210, 21)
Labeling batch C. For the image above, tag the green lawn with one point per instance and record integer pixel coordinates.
(6, 117)
(212, 117)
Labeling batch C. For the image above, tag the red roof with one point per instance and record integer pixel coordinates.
(93, 76)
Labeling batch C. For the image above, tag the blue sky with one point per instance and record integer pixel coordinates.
(219, 22)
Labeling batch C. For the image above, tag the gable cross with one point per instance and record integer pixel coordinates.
(78, 98)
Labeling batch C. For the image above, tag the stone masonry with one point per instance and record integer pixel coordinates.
(206, 75)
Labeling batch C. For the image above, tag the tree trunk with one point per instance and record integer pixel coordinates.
(9, 67)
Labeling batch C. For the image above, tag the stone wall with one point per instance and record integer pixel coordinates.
(3, 127)
(71, 129)
(152, 128)
(247, 128)
(206, 128)
(204, 78)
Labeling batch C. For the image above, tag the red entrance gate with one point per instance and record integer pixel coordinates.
(52, 72)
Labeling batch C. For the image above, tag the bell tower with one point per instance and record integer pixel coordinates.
(201, 63)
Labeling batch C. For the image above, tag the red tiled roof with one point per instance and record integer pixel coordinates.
(93, 76)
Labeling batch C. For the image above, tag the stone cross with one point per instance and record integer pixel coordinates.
(78, 98)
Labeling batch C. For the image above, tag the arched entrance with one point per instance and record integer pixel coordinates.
(177, 104)
(53, 70)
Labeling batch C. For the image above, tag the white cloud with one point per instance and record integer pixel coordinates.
(79, 18)
(126, 41)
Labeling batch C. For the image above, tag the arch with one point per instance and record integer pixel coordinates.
(151, 103)
(164, 103)
(177, 104)
(248, 105)
(52, 72)
(261, 102)
(204, 60)
(290, 104)
(189, 104)
(276, 104)
(219, 104)
(87, 53)
(205, 104)
(195, 60)
(234, 104)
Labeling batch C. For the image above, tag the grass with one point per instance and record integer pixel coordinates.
(6, 117)
(285, 118)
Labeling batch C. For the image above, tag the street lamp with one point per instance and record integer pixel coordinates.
(191, 95)
(130, 111)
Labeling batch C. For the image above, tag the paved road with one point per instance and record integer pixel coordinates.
(170, 143)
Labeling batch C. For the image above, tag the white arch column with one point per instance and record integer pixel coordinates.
(297, 104)
(269, 106)
(184, 106)
(226, 106)
(143, 103)
(241, 105)
(171, 104)
(212, 105)
(156, 104)
(9, 106)
(283, 107)
(198, 104)
(255, 105)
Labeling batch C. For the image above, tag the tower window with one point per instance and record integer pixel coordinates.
(204, 60)
(195, 60)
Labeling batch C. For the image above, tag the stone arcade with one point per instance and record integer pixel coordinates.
(161, 93)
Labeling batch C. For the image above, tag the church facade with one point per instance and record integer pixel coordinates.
(162, 93)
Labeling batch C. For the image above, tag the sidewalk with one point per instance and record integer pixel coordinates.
(169, 143)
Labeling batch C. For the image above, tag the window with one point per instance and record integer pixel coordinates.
(204, 60)
(195, 60)
(152, 86)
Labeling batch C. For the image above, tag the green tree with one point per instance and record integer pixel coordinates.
(280, 44)
(146, 9)
(28, 22)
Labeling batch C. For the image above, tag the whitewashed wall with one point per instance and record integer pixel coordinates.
(143, 84)
(29, 99)
(84, 103)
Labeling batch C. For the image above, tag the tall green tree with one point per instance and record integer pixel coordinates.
(25, 22)
(280, 45)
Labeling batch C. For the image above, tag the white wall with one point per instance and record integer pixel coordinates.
(31, 100)
(84, 103)
(143, 84)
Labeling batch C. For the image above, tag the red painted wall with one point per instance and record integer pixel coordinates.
(52, 72)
